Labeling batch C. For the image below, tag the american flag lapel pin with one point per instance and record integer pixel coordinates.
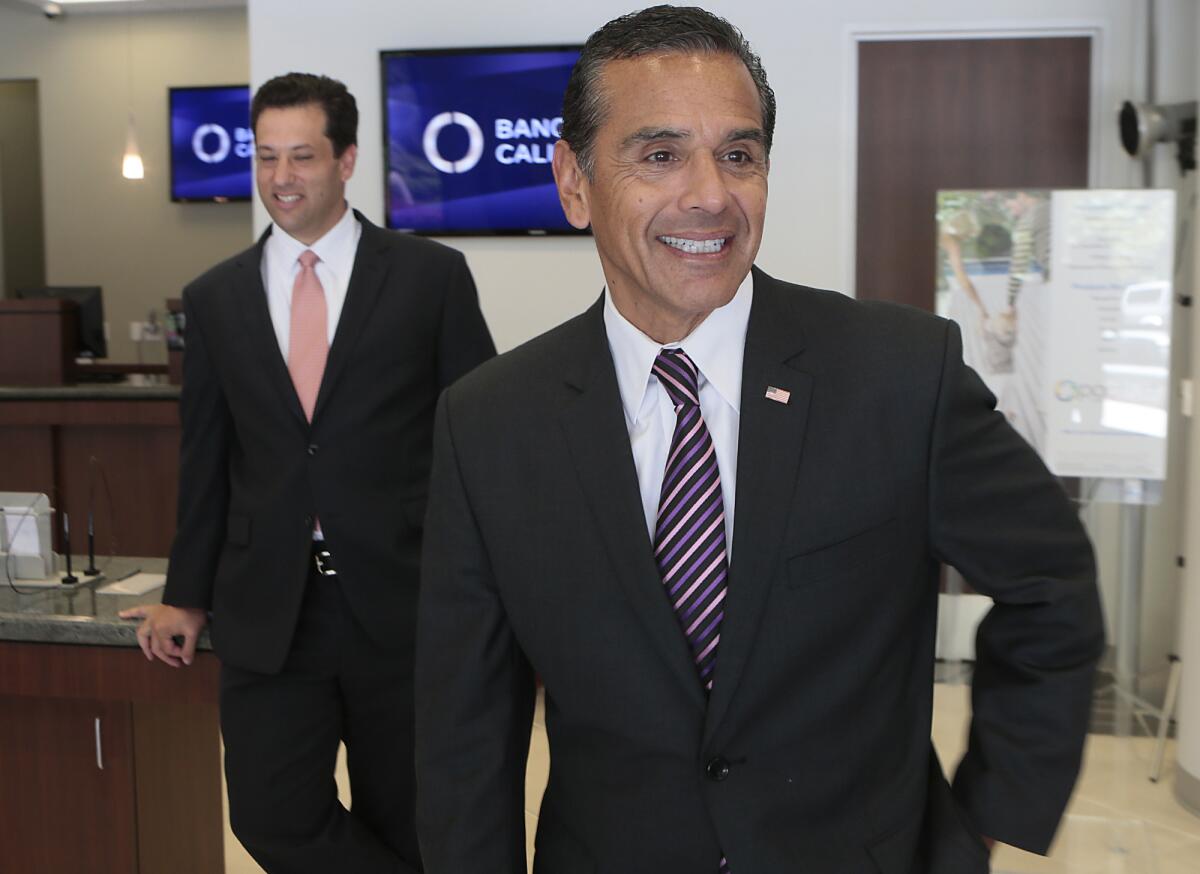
(778, 395)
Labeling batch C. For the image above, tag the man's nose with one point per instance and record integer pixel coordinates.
(283, 172)
(706, 185)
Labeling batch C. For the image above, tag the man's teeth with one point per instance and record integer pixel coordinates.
(694, 247)
(288, 198)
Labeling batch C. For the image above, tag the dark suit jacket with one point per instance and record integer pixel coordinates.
(254, 472)
(813, 753)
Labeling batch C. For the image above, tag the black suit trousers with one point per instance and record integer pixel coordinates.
(282, 733)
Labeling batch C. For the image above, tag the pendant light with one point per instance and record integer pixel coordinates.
(131, 162)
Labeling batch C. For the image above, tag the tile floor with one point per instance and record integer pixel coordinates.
(1118, 821)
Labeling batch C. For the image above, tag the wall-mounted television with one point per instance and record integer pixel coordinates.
(212, 145)
(468, 139)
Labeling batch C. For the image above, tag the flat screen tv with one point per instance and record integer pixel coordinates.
(468, 139)
(212, 146)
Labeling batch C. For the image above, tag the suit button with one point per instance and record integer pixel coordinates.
(312, 448)
(717, 769)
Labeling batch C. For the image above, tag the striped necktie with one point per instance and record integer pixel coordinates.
(689, 535)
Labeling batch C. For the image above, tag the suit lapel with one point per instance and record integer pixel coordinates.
(770, 439)
(366, 282)
(251, 298)
(599, 444)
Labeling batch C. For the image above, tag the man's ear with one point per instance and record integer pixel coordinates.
(346, 162)
(573, 186)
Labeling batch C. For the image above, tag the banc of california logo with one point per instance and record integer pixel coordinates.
(224, 143)
(474, 145)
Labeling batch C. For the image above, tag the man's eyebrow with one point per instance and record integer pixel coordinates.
(651, 134)
(295, 147)
(753, 134)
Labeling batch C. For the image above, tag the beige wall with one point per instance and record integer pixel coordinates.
(101, 229)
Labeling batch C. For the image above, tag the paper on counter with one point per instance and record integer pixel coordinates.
(138, 584)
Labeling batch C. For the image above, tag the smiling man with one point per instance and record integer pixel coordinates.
(709, 513)
(314, 361)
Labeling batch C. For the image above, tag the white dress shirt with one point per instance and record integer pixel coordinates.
(717, 346)
(281, 263)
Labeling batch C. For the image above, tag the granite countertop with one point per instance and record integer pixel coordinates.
(78, 614)
(100, 391)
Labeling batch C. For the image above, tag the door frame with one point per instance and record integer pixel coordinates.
(856, 34)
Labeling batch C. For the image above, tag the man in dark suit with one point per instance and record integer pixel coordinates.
(709, 513)
(313, 366)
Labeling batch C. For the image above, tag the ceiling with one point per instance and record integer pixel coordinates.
(108, 7)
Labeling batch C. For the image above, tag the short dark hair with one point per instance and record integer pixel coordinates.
(302, 89)
(656, 30)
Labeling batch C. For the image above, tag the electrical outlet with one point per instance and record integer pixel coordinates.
(148, 331)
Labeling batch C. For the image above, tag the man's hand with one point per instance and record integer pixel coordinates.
(163, 626)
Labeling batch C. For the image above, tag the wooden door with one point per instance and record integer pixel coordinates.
(966, 113)
(66, 786)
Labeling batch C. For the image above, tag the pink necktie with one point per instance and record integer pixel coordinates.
(308, 337)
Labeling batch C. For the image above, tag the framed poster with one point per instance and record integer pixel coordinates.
(1064, 299)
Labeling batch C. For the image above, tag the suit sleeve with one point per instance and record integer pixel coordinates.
(203, 474)
(474, 689)
(1001, 519)
(465, 341)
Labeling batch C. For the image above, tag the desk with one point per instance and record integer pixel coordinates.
(49, 436)
(110, 763)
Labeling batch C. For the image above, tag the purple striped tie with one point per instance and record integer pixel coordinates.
(689, 536)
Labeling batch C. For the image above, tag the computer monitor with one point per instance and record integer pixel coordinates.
(91, 313)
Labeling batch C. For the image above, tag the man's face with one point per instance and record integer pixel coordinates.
(679, 187)
(301, 183)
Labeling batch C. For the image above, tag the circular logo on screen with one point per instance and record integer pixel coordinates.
(216, 156)
(474, 146)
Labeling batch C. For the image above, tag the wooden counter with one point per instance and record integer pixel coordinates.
(111, 763)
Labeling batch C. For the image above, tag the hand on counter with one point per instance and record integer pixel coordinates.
(161, 625)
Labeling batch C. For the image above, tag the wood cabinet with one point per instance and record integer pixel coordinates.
(108, 764)
(38, 339)
(67, 790)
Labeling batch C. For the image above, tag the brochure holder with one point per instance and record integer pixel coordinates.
(25, 542)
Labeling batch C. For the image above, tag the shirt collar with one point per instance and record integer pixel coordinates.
(717, 345)
(331, 248)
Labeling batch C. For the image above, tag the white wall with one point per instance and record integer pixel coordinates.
(528, 285)
(1188, 785)
(1175, 80)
